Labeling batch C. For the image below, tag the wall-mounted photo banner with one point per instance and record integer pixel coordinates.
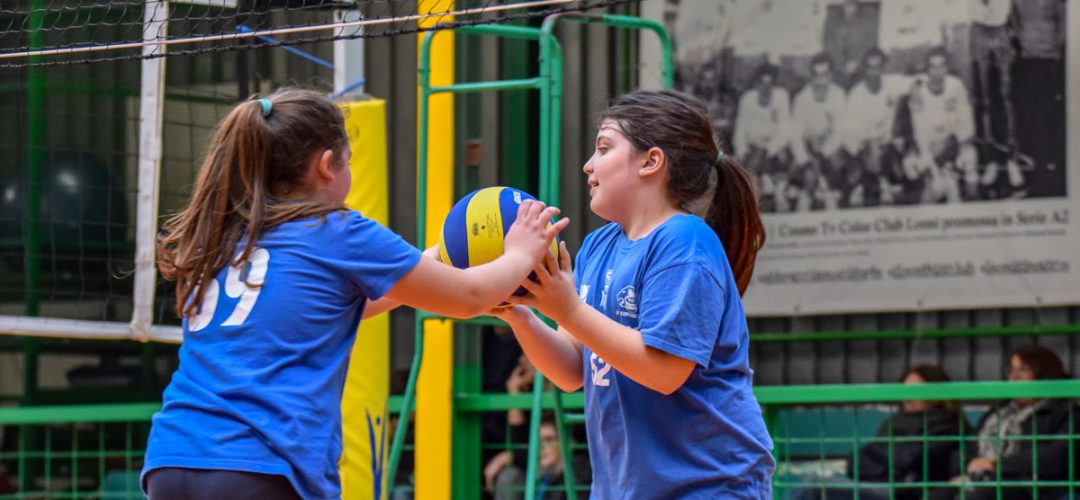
(909, 154)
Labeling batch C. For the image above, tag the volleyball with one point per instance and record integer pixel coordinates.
(473, 231)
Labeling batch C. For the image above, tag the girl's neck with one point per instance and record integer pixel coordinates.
(646, 217)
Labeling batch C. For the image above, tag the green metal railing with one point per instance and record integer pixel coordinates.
(426, 91)
(549, 84)
(96, 450)
(75, 451)
(814, 426)
(924, 333)
(821, 433)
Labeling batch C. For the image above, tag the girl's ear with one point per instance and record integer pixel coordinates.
(654, 162)
(324, 166)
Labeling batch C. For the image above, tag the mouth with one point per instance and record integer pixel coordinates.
(592, 186)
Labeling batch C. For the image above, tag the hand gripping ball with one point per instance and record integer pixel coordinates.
(473, 231)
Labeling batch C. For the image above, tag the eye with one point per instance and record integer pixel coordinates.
(602, 149)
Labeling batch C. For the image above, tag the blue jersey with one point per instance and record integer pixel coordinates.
(262, 369)
(708, 438)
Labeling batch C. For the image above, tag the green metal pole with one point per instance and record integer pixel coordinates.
(667, 66)
(625, 84)
(35, 158)
(523, 84)
(555, 138)
(426, 91)
(407, 402)
(545, 133)
(35, 167)
(569, 480)
(534, 437)
(997, 331)
(550, 99)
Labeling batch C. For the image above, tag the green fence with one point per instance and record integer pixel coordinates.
(86, 451)
(856, 441)
(827, 438)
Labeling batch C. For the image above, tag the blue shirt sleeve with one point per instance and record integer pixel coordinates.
(376, 257)
(682, 308)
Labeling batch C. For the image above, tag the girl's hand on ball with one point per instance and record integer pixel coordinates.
(552, 291)
(530, 234)
(432, 253)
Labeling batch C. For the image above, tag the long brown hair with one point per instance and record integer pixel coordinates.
(679, 125)
(933, 374)
(255, 165)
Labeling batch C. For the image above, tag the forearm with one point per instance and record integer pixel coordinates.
(624, 348)
(481, 286)
(552, 352)
(460, 293)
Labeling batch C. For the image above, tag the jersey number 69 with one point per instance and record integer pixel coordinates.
(234, 287)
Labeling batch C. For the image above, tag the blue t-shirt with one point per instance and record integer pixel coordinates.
(262, 370)
(708, 438)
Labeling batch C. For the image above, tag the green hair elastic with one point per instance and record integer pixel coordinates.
(719, 155)
(267, 106)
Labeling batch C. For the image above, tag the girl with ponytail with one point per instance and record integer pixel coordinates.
(650, 319)
(273, 275)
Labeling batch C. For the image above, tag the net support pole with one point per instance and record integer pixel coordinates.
(348, 56)
(151, 103)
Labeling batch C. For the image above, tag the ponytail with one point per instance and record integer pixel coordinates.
(256, 158)
(733, 214)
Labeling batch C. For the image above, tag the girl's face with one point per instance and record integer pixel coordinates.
(612, 179)
(1018, 371)
(914, 405)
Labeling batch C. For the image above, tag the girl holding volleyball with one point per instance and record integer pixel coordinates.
(654, 329)
(273, 275)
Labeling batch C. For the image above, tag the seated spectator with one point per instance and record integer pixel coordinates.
(915, 418)
(505, 473)
(874, 464)
(1005, 444)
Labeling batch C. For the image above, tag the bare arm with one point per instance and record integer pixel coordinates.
(622, 347)
(554, 352)
(386, 304)
(465, 293)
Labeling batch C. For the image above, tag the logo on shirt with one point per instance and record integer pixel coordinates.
(607, 283)
(626, 300)
(583, 292)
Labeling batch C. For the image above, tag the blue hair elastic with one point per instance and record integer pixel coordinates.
(267, 106)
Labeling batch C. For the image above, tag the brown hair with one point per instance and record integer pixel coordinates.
(679, 125)
(255, 164)
(932, 374)
(1042, 361)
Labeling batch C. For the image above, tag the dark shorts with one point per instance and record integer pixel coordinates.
(176, 483)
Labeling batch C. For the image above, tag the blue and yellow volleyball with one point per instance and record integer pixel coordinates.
(473, 231)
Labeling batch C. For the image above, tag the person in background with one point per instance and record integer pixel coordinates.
(761, 132)
(816, 139)
(1020, 439)
(872, 110)
(943, 126)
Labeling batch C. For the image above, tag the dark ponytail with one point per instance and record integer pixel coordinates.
(679, 125)
(733, 214)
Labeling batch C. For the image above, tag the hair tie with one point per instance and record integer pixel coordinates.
(719, 155)
(267, 106)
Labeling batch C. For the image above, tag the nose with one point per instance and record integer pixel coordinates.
(587, 167)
